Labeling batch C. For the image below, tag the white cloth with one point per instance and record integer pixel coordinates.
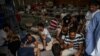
(29, 45)
(88, 18)
(67, 52)
(97, 49)
(46, 32)
(63, 15)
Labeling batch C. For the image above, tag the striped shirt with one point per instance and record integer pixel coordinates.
(53, 24)
(78, 40)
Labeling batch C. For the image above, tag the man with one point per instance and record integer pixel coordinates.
(45, 39)
(45, 36)
(93, 34)
(54, 23)
(92, 11)
(73, 44)
(30, 43)
(66, 20)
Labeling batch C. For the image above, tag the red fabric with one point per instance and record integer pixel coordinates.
(53, 24)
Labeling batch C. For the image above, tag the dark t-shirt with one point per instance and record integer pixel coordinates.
(67, 19)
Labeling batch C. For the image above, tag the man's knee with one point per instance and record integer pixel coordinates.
(65, 53)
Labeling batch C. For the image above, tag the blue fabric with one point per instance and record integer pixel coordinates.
(85, 54)
(26, 51)
(22, 34)
(93, 33)
(25, 39)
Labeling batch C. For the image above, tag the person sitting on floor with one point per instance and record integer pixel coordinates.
(13, 42)
(30, 42)
(45, 36)
(45, 41)
(62, 33)
(73, 44)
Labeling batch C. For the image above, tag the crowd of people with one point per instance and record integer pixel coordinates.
(63, 35)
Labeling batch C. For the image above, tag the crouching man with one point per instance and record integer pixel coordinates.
(73, 44)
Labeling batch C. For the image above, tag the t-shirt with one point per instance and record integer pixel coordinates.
(66, 19)
(27, 43)
(74, 25)
(53, 24)
(46, 32)
(63, 15)
(79, 39)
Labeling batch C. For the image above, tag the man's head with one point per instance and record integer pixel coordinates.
(72, 33)
(93, 7)
(7, 28)
(29, 37)
(65, 29)
(40, 26)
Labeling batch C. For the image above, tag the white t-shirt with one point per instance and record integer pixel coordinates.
(63, 15)
(46, 32)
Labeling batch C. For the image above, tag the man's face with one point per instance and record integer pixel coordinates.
(65, 29)
(72, 35)
(40, 28)
(93, 8)
(29, 38)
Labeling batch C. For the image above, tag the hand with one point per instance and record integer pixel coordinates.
(70, 45)
(77, 54)
(44, 37)
(64, 46)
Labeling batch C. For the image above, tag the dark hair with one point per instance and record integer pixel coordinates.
(56, 49)
(94, 3)
(65, 25)
(72, 30)
(7, 25)
(28, 35)
(25, 38)
(41, 25)
(57, 16)
(67, 16)
(7, 28)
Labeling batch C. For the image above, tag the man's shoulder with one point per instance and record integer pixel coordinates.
(45, 30)
(97, 14)
(78, 35)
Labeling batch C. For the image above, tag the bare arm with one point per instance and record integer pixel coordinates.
(80, 50)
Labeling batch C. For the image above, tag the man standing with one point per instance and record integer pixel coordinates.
(93, 34)
(92, 11)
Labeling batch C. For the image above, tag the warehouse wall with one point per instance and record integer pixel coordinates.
(56, 2)
(74, 2)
